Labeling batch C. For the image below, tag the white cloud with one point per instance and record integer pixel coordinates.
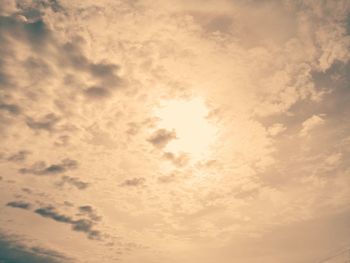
(311, 123)
(276, 129)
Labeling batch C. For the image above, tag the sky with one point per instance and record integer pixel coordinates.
(174, 131)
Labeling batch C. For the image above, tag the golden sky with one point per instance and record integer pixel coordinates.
(174, 131)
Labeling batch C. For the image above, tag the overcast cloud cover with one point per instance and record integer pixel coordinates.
(88, 173)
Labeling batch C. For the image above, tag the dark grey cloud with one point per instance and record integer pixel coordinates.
(47, 122)
(76, 182)
(105, 75)
(85, 226)
(32, 32)
(40, 168)
(12, 251)
(37, 32)
(162, 137)
(137, 181)
(10, 108)
(79, 225)
(50, 212)
(104, 70)
(25, 28)
(90, 212)
(19, 204)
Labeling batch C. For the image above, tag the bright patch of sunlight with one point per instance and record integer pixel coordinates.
(189, 119)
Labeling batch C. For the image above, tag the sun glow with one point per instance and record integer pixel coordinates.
(189, 120)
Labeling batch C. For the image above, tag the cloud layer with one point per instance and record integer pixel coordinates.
(86, 171)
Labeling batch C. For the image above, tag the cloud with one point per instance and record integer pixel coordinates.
(40, 168)
(19, 204)
(10, 108)
(90, 212)
(311, 123)
(48, 122)
(334, 159)
(79, 225)
(19, 156)
(137, 181)
(276, 129)
(167, 178)
(180, 160)
(76, 182)
(162, 137)
(50, 212)
(13, 251)
(97, 92)
(104, 75)
(88, 76)
(85, 226)
(35, 63)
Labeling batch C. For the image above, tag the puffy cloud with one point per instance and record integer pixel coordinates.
(276, 129)
(311, 123)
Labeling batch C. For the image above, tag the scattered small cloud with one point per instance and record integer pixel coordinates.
(97, 92)
(79, 225)
(162, 137)
(137, 181)
(19, 156)
(167, 178)
(40, 168)
(76, 182)
(90, 212)
(178, 160)
(19, 204)
(47, 123)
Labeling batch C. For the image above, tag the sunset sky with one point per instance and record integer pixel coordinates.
(174, 131)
